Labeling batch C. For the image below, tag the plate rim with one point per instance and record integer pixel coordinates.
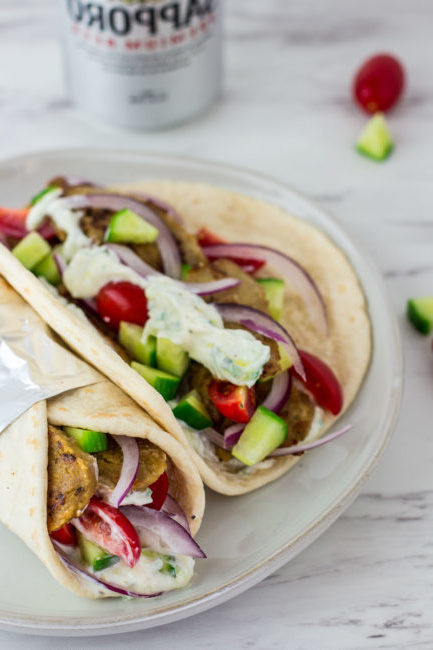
(44, 625)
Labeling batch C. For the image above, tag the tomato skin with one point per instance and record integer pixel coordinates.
(107, 527)
(379, 83)
(159, 492)
(13, 224)
(206, 237)
(321, 382)
(65, 535)
(122, 301)
(237, 403)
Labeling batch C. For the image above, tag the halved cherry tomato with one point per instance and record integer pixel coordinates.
(321, 382)
(107, 527)
(236, 403)
(379, 83)
(206, 237)
(13, 224)
(122, 301)
(159, 492)
(65, 535)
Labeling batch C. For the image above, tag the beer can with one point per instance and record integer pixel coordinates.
(143, 64)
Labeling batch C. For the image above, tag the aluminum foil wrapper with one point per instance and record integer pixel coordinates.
(33, 366)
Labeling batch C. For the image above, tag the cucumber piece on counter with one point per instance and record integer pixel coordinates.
(184, 270)
(42, 193)
(375, 141)
(128, 227)
(130, 339)
(168, 561)
(95, 555)
(47, 268)
(274, 289)
(171, 357)
(89, 441)
(192, 411)
(420, 314)
(31, 250)
(164, 383)
(263, 433)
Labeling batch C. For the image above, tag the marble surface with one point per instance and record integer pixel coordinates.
(286, 111)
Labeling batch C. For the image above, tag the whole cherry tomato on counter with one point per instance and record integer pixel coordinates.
(379, 83)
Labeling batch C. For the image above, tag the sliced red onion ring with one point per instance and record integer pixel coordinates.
(213, 436)
(167, 245)
(288, 267)
(259, 322)
(298, 449)
(162, 205)
(160, 532)
(76, 181)
(279, 393)
(131, 459)
(70, 564)
(232, 435)
(60, 263)
(173, 509)
(134, 262)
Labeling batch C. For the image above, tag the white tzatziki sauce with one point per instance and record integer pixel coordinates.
(54, 206)
(175, 313)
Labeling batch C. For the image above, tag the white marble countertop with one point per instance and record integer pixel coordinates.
(286, 111)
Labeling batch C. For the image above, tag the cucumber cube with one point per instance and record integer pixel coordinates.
(263, 433)
(164, 383)
(274, 289)
(128, 227)
(130, 338)
(171, 357)
(420, 314)
(184, 270)
(31, 250)
(95, 555)
(375, 141)
(192, 411)
(89, 441)
(47, 268)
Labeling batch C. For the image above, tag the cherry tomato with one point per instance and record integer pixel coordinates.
(107, 527)
(236, 403)
(379, 83)
(119, 301)
(321, 382)
(65, 535)
(13, 222)
(159, 492)
(206, 237)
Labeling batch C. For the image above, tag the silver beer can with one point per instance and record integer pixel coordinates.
(143, 64)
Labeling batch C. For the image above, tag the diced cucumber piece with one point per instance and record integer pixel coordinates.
(168, 561)
(171, 357)
(263, 433)
(130, 338)
(420, 314)
(285, 360)
(89, 441)
(42, 193)
(274, 289)
(164, 383)
(95, 555)
(128, 227)
(31, 250)
(192, 411)
(47, 268)
(375, 140)
(184, 270)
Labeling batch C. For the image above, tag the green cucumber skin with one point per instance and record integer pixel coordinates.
(193, 412)
(263, 433)
(31, 250)
(94, 555)
(130, 339)
(161, 381)
(171, 358)
(371, 156)
(42, 193)
(104, 562)
(128, 227)
(185, 269)
(421, 321)
(89, 441)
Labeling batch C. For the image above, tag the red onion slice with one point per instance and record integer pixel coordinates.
(298, 449)
(162, 205)
(70, 564)
(232, 435)
(60, 263)
(259, 322)
(134, 262)
(213, 436)
(293, 272)
(160, 532)
(167, 245)
(173, 509)
(131, 459)
(280, 392)
(76, 181)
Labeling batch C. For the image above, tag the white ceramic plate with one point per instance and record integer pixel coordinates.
(248, 537)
